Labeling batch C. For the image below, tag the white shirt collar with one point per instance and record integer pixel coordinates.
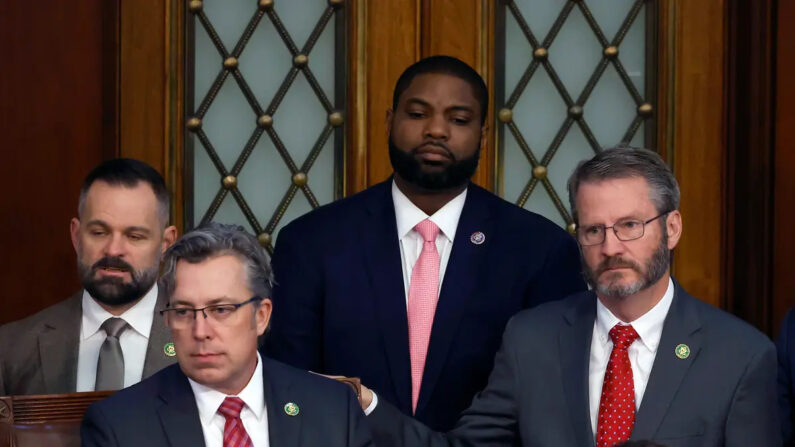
(408, 215)
(649, 326)
(253, 395)
(139, 317)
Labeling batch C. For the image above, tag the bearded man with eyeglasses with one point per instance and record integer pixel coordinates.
(635, 358)
(222, 392)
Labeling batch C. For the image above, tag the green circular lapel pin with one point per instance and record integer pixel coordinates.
(682, 351)
(169, 350)
(291, 409)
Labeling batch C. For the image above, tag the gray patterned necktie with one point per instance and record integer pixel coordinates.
(110, 367)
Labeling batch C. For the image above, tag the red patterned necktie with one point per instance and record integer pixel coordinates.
(423, 295)
(234, 433)
(617, 405)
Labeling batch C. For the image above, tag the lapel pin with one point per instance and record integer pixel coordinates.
(477, 238)
(169, 350)
(291, 409)
(682, 351)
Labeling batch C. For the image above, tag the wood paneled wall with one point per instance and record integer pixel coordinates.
(56, 123)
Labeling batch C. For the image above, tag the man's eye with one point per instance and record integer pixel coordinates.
(96, 232)
(461, 121)
(415, 114)
(181, 312)
(593, 230)
(222, 310)
(630, 224)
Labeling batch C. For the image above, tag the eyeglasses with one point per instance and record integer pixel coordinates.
(625, 230)
(183, 317)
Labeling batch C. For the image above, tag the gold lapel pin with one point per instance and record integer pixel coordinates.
(291, 409)
(682, 351)
(169, 350)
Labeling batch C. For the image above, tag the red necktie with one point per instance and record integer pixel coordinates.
(234, 433)
(423, 295)
(617, 406)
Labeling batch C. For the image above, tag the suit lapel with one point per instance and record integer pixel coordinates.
(575, 349)
(382, 262)
(460, 279)
(159, 335)
(283, 429)
(178, 413)
(681, 327)
(58, 348)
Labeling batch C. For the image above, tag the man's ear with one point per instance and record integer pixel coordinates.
(74, 232)
(263, 315)
(484, 136)
(673, 228)
(169, 237)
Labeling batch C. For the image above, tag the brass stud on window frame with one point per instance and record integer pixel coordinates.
(230, 63)
(611, 52)
(540, 172)
(571, 228)
(645, 110)
(193, 124)
(299, 179)
(264, 239)
(230, 181)
(265, 5)
(265, 121)
(300, 60)
(505, 115)
(575, 111)
(195, 6)
(335, 118)
(540, 54)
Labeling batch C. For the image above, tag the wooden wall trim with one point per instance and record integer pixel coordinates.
(174, 132)
(697, 139)
(356, 128)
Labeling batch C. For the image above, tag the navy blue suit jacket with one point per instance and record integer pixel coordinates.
(723, 394)
(162, 411)
(339, 304)
(785, 344)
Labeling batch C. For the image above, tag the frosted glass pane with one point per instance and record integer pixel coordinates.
(539, 113)
(230, 121)
(300, 17)
(539, 202)
(539, 15)
(610, 109)
(518, 54)
(230, 213)
(611, 14)
(575, 53)
(516, 168)
(632, 51)
(299, 119)
(572, 150)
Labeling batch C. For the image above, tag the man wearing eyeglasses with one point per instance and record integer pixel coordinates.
(635, 358)
(222, 392)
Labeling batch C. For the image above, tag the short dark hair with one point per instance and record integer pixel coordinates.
(444, 65)
(626, 162)
(128, 172)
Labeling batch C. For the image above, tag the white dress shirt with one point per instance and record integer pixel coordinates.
(411, 242)
(254, 414)
(134, 340)
(641, 352)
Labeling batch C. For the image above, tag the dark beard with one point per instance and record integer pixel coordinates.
(656, 267)
(407, 166)
(114, 291)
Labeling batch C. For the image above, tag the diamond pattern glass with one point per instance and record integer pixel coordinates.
(265, 111)
(573, 82)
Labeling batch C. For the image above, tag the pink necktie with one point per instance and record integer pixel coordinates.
(234, 433)
(423, 295)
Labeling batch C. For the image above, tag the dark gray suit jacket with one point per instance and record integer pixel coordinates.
(722, 394)
(38, 355)
(161, 411)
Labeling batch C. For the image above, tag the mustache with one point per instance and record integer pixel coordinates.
(438, 144)
(112, 262)
(616, 262)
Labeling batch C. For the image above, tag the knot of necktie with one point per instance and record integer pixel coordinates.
(428, 230)
(231, 407)
(114, 326)
(623, 336)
